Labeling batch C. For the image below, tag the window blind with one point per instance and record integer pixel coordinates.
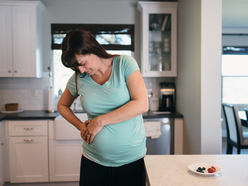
(235, 50)
(110, 36)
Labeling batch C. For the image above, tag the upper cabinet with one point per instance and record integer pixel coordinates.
(21, 38)
(158, 39)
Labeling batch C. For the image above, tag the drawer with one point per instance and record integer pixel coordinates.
(27, 128)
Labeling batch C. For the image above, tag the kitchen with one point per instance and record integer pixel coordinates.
(192, 88)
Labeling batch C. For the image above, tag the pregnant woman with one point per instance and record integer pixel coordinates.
(113, 94)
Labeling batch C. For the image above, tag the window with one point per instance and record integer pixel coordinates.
(116, 39)
(110, 36)
(235, 75)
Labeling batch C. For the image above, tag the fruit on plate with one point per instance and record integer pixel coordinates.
(211, 169)
(201, 169)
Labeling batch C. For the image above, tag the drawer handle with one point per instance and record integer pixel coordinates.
(28, 140)
(28, 128)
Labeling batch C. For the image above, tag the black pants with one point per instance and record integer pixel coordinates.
(93, 174)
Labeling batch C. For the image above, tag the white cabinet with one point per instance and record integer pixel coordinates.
(65, 160)
(65, 149)
(158, 39)
(21, 38)
(28, 151)
(1, 156)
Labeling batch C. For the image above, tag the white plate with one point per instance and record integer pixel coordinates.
(194, 166)
(10, 112)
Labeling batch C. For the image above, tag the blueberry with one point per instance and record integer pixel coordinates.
(200, 169)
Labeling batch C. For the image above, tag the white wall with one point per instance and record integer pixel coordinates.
(198, 83)
(188, 82)
(211, 50)
(235, 40)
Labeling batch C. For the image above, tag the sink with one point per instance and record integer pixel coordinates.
(162, 112)
(64, 130)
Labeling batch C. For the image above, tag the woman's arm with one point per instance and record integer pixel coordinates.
(138, 105)
(64, 109)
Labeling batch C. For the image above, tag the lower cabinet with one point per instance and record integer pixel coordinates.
(65, 150)
(28, 159)
(64, 160)
(28, 151)
(36, 155)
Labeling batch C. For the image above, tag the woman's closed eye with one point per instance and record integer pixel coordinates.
(82, 63)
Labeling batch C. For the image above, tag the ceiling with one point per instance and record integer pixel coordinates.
(235, 13)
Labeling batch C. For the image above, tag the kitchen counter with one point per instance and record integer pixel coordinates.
(162, 114)
(29, 115)
(177, 135)
(173, 170)
(41, 114)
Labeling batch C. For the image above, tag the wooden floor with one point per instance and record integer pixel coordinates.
(243, 151)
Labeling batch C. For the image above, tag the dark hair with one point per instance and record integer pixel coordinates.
(79, 41)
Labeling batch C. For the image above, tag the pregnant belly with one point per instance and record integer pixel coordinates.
(117, 144)
(108, 142)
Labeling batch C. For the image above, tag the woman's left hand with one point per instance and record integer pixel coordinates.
(93, 128)
(83, 128)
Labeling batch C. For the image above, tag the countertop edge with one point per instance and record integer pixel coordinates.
(43, 115)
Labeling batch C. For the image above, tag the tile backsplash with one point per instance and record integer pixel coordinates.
(32, 94)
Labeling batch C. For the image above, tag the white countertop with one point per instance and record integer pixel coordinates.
(172, 170)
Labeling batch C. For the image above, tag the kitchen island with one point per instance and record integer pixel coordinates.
(173, 170)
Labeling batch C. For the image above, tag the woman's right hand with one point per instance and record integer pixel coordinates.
(83, 127)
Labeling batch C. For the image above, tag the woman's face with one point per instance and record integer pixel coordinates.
(87, 63)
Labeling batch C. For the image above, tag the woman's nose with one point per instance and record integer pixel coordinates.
(81, 69)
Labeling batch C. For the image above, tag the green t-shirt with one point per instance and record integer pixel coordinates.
(116, 144)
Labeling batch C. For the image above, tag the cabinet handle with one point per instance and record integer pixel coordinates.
(9, 71)
(15, 71)
(28, 140)
(1, 143)
(28, 128)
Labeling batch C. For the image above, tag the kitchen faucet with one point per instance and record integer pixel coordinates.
(74, 107)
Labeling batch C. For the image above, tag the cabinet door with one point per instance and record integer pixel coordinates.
(65, 160)
(5, 42)
(159, 39)
(28, 157)
(24, 41)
